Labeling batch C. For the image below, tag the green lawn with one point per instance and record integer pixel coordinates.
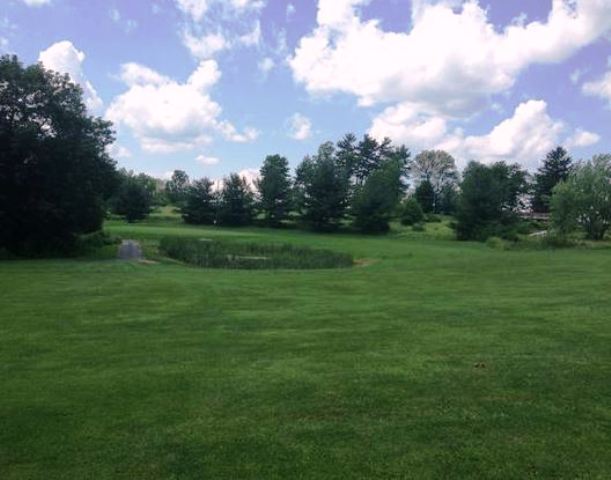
(435, 360)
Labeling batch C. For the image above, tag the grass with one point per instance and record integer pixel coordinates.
(438, 359)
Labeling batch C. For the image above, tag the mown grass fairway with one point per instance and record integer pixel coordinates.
(436, 360)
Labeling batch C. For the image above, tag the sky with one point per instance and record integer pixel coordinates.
(213, 86)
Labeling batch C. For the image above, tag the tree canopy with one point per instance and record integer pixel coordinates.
(55, 172)
(583, 200)
(489, 201)
(274, 188)
(555, 169)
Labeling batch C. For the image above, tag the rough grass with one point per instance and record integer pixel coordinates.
(207, 253)
(438, 360)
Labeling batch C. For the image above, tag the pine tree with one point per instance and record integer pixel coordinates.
(200, 203)
(274, 187)
(555, 169)
(236, 201)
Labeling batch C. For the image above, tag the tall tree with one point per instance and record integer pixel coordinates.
(322, 185)
(376, 201)
(555, 169)
(437, 168)
(489, 201)
(236, 202)
(199, 206)
(425, 195)
(176, 187)
(135, 197)
(274, 187)
(584, 199)
(55, 173)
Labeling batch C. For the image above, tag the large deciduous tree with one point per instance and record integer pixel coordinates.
(555, 169)
(438, 169)
(584, 199)
(489, 200)
(55, 172)
(274, 188)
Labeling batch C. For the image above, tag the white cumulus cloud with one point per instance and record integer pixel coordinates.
(450, 62)
(167, 116)
(36, 3)
(599, 88)
(300, 127)
(64, 57)
(208, 161)
(524, 137)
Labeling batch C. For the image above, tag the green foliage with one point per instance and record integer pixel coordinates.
(274, 187)
(94, 241)
(447, 200)
(199, 207)
(322, 187)
(489, 200)
(376, 202)
(425, 195)
(432, 218)
(250, 256)
(419, 227)
(497, 243)
(177, 187)
(134, 198)
(434, 171)
(556, 168)
(235, 203)
(584, 199)
(55, 174)
(360, 159)
(411, 212)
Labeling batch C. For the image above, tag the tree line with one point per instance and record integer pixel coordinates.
(58, 182)
(367, 184)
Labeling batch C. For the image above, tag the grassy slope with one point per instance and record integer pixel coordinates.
(439, 360)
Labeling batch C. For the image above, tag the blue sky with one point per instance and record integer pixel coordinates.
(213, 86)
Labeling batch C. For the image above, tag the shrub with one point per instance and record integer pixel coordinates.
(497, 243)
(432, 218)
(251, 256)
(419, 227)
(411, 212)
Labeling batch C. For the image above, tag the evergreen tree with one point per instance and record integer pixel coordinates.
(322, 186)
(425, 195)
(555, 169)
(236, 202)
(274, 187)
(135, 198)
(176, 187)
(376, 202)
(200, 203)
(411, 212)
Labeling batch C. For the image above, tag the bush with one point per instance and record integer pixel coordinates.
(419, 227)
(94, 241)
(496, 243)
(251, 256)
(432, 218)
(411, 212)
